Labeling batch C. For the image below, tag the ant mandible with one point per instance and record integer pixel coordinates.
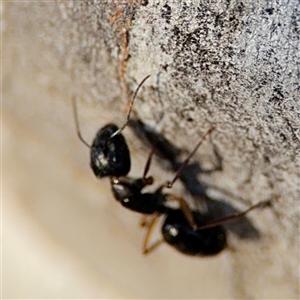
(109, 153)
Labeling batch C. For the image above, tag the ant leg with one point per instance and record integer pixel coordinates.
(74, 104)
(148, 180)
(144, 222)
(261, 204)
(185, 209)
(146, 248)
(130, 108)
(183, 205)
(153, 247)
(169, 184)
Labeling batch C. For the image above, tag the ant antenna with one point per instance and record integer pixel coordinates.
(130, 108)
(169, 184)
(77, 122)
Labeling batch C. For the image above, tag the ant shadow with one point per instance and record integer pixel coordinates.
(165, 150)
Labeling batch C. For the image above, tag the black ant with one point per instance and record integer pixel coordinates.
(110, 155)
(190, 232)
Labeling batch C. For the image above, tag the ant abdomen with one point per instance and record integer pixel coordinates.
(178, 233)
(109, 153)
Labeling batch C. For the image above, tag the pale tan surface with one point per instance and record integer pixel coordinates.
(64, 236)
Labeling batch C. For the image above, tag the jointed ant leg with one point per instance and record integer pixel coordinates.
(144, 222)
(148, 163)
(183, 205)
(169, 184)
(261, 204)
(185, 209)
(147, 249)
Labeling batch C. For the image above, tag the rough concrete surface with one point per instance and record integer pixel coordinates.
(231, 65)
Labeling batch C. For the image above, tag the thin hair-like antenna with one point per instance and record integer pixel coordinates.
(130, 108)
(77, 122)
(169, 184)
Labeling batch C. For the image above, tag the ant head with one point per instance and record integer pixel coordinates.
(109, 151)
(110, 155)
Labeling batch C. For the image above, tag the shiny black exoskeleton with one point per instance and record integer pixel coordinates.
(128, 191)
(176, 230)
(110, 155)
(178, 233)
